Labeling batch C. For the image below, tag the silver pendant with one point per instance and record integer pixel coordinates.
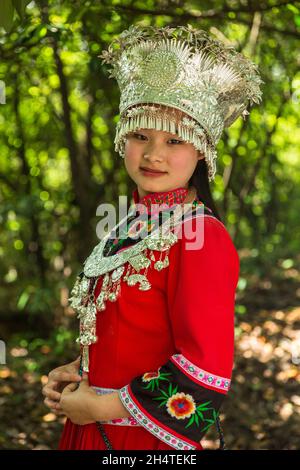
(135, 278)
(139, 262)
(117, 273)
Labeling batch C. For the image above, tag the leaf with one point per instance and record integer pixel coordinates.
(297, 20)
(293, 8)
(206, 403)
(162, 403)
(163, 378)
(7, 15)
(147, 386)
(20, 6)
(151, 387)
(200, 414)
(23, 299)
(203, 406)
(190, 421)
(206, 427)
(209, 420)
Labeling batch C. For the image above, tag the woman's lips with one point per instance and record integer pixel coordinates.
(152, 173)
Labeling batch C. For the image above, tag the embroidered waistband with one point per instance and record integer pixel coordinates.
(130, 421)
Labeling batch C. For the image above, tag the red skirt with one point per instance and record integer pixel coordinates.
(88, 437)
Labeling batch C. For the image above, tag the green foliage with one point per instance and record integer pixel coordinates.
(57, 164)
(57, 129)
(29, 353)
(7, 14)
(8, 8)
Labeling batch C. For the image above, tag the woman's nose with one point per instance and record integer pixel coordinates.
(153, 157)
(153, 153)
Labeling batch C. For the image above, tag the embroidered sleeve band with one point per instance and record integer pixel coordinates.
(174, 406)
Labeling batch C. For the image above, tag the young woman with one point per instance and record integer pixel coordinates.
(156, 299)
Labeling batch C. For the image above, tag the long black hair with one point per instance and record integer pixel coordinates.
(199, 180)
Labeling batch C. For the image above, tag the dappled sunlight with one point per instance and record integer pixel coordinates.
(58, 164)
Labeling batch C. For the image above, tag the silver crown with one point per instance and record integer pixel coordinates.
(185, 69)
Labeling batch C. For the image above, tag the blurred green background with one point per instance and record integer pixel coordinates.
(57, 164)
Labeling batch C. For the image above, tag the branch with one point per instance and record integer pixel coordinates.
(212, 13)
(209, 14)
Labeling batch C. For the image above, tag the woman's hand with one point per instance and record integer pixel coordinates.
(79, 404)
(57, 380)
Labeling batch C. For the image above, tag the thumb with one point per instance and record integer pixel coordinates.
(84, 380)
(85, 376)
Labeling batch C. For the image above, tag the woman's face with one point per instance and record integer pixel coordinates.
(163, 151)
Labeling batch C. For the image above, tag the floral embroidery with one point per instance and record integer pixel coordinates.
(181, 405)
(175, 196)
(166, 201)
(136, 228)
(156, 430)
(150, 375)
(141, 228)
(154, 378)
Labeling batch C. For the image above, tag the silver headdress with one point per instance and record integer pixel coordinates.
(185, 69)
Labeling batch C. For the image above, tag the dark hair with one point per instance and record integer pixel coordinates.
(199, 180)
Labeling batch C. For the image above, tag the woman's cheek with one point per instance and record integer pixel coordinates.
(178, 162)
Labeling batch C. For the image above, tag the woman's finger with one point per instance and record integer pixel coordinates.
(50, 403)
(56, 406)
(70, 388)
(44, 390)
(52, 384)
(49, 393)
(66, 377)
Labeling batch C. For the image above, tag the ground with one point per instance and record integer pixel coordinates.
(261, 411)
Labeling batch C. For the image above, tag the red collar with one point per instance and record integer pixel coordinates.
(174, 196)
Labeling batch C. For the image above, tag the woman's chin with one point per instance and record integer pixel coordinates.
(154, 187)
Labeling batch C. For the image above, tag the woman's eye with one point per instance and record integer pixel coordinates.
(143, 137)
(137, 136)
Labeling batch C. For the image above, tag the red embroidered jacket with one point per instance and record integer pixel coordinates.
(169, 350)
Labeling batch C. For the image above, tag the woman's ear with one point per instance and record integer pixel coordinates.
(200, 155)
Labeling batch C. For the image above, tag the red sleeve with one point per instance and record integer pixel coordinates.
(201, 300)
(182, 399)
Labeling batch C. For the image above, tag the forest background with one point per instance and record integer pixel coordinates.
(58, 114)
